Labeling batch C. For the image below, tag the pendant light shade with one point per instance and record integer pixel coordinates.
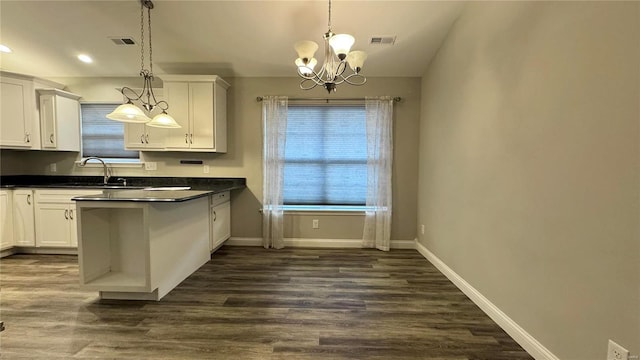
(306, 69)
(306, 49)
(341, 44)
(356, 60)
(128, 113)
(164, 120)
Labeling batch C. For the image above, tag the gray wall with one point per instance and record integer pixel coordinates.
(529, 167)
(244, 156)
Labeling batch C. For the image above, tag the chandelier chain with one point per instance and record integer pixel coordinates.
(150, 42)
(329, 23)
(141, 36)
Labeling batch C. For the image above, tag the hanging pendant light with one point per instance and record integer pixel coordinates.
(128, 112)
(337, 55)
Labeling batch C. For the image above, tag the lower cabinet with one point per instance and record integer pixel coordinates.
(220, 214)
(6, 220)
(24, 218)
(55, 217)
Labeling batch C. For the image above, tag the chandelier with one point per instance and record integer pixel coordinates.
(336, 58)
(130, 113)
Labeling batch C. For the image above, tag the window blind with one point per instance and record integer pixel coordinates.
(325, 155)
(103, 137)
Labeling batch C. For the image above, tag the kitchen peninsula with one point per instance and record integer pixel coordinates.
(140, 244)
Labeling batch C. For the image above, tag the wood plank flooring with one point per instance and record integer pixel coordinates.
(252, 303)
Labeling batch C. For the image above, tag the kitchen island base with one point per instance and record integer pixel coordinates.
(141, 250)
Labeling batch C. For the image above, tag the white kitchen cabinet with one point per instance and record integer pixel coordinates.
(220, 214)
(6, 220)
(24, 218)
(16, 113)
(55, 217)
(59, 120)
(199, 104)
(143, 137)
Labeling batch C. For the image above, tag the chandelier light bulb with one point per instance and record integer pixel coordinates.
(341, 44)
(306, 69)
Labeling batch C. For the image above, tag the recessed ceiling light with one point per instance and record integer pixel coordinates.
(85, 58)
(5, 49)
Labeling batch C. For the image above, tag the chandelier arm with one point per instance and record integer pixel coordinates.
(303, 87)
(362, 80)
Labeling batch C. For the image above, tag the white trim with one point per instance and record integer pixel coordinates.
(318, 243)
(520, 335)
(243, 241)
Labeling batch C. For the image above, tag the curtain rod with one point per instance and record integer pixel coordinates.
(395, 99)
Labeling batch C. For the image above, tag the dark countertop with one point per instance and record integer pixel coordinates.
(212, 185)
(145, 195)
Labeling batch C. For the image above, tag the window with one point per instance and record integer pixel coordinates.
(103, 137)
(325, 155)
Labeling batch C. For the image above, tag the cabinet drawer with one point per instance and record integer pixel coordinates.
(217, 199)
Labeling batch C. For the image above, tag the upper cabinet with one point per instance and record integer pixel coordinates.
(59, 120)
(16, 113)
(36, 114)
(199, 104)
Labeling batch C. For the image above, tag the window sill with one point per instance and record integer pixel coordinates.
(112, 163)
(324, 210)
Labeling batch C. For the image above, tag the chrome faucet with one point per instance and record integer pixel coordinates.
(107, 172)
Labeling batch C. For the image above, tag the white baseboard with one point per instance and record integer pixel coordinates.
(520, 335)
(318, 243)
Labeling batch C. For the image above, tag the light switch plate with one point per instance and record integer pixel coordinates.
(205, 169)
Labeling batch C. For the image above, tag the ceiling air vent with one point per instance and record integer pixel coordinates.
(122, 40)
(382, 40)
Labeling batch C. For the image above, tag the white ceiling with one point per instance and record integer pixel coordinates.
(228, 38)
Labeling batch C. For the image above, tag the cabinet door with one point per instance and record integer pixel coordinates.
(16, 113)
(201, 110)
(221, 224)
(48, 122)
(53, 225)
(23, 218)
(134, 136)
(177, 95)
(67, 121)
(6, 220)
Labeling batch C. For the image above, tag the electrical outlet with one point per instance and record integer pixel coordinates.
(205, 169)
(422, 229)
(53, 167)
(616, 352)
(316, 224)
(150, 165)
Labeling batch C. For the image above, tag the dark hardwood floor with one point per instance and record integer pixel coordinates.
(252, 303)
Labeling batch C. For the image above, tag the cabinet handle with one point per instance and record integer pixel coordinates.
(51, 138)
(215, 216)
(146, 138)
(142, 139)
(29, 199)
(71, 214)
(191, 139)
(66, 214)
(186, 138)
(27, 137)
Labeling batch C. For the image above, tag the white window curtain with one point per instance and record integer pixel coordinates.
(379, 122)
(274, 120)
